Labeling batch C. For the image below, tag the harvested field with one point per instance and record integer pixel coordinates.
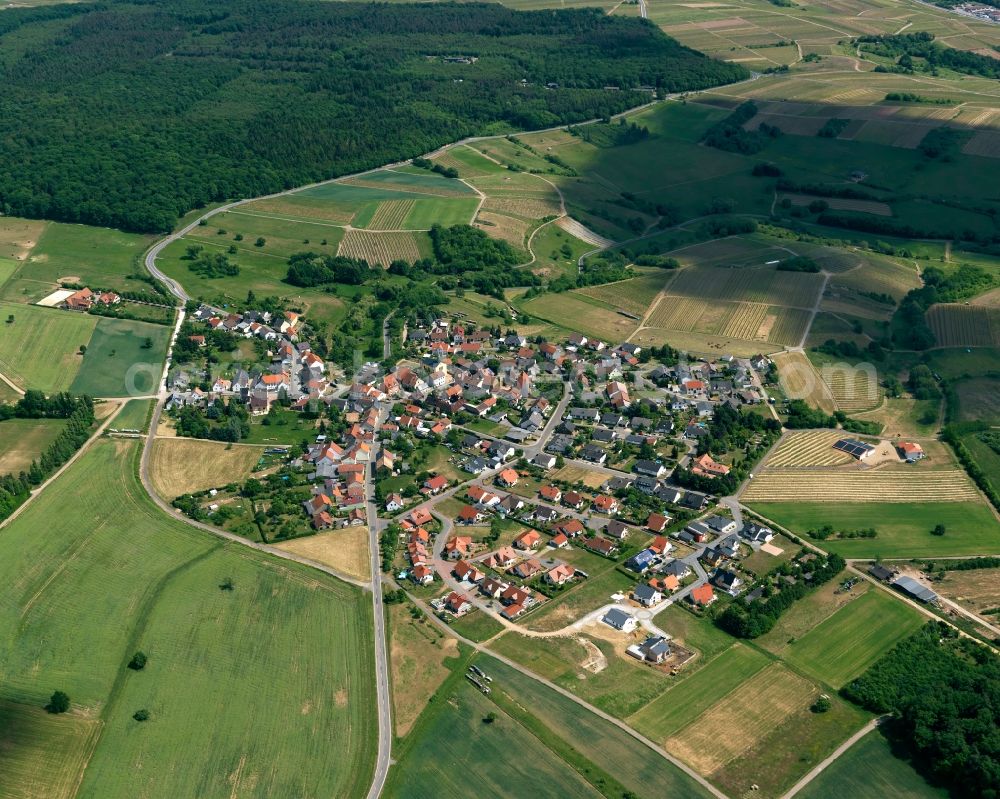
(303, 207)
(977, 589)
(527, 207)
(24, 440)
(965, 325)
(505, 228)
(880, 275)
(800, 380)
(182, 465)
(634, 295)
(939, 485)
(391, 214)
(580, 474)
(345, 550)
(735, 723)
(801, 448)
(379, 248)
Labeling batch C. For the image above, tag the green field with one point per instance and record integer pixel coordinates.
(134, 416)
(39, 349)
(692, 696)
(218, 701)
(477, 626)
(848, 642)
(639, 768)
(869, 770)
(903, 529)
(987, 459)
(457, 754)
(117, 362)
(96, 257)
(22, 440)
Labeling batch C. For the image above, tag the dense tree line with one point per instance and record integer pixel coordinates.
(751, 619)
(79, 415)
(111, 113)
(802, 416)
(905, 47)
(944, 694)
(730, 135)
(306, 269)
(979, 476)
(219, 422)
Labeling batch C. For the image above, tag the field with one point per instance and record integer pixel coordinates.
(985, 457)
(345, 550)
(965, 325)
(182, 465)
(976, 589)
(134, 416)
(756, 284)
(23, 440)
(421, 657)
(634, 295)
(691, 697)
(854, 387)
(903, 528)
(118, 363)
(574, 311)
(732, 725)
(573, 603)
(216, 698)
(841, 647)
(379, 248)
(39, 349)
(50, 252)
(804, 448)
(572, 473)
(869, 770)
(455, 739)
(978, 399)
(742, 321)
(874, 485)
(904, 417)
(41, 753)
(800, 380)
(639, 768)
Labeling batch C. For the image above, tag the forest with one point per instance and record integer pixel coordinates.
(944, 694)
(129, 115)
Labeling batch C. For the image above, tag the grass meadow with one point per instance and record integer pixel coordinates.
(869, 770)
(23, 440)
(94, 571)
(904, 529)
(118, 363)
(39, 349)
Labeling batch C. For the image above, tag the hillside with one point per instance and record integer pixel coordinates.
(130, 115)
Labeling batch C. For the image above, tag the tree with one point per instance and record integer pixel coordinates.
(261, 241)
(58, 702)
(821, 705)
(138, 661)
(938, 529)
(489, 718)
(141, 715)
(83, 349)
(227, 584)
(10, 319)
(147, 343)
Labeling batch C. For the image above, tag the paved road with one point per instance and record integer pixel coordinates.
(383, 759)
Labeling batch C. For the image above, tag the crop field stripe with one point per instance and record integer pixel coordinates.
(942, 485)
(391, 214)
(808, 448)
(379, 248)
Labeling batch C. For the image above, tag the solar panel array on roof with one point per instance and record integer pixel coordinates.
(853, 447)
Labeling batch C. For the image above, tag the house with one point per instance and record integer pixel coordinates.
(617, 530)
(620, 620)
(657, 522)
(676, 568)
(501, 450)
(650, 468)
(660, 545)
(510, 504)
(544, 514)
(756, 533)
(500, 559)
(516, 595)
(560, 574)
(593, 454)
(513, 610)
(698, 532)
(527, 540)
(729, 546)
(727, 581)
(458, 546)
(527, 569)
(694, 500)
(457, 603)
(606, 504)
(706, 466)
(492, 587)
(482, 496)
(559, 541)
(910, 452)
(466, 572)
(550, 493)
(602, 546)
(422, 574)
(469, 515)
(721, 524)
(544, 460)
(436, 484)
(508, 478)
(322, 520)
(702, 596)
(570, 528)
(573, 499)
(646, 595)
(419, 517)
(712, 557)
(654, 649)
(641, 561)
(665, 585)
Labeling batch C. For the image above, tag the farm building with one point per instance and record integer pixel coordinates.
(915, 589)
(910, 452)
(856, 449)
